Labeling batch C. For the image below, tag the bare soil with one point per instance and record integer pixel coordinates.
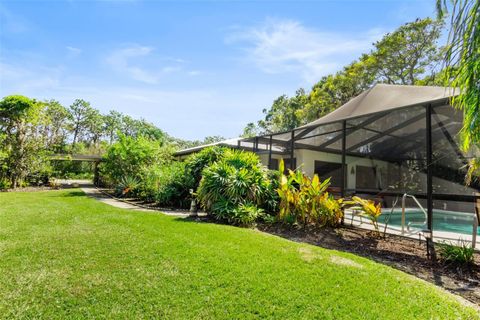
(402, 253)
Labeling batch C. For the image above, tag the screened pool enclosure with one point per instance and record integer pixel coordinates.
(398, 145)
(388, 142)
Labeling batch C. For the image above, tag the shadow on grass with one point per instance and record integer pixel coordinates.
(75, 193)
(203, 219)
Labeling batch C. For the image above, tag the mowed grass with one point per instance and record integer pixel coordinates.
(64, 255)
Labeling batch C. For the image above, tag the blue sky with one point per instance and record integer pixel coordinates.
(192, 68)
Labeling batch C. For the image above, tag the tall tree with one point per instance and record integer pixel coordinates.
(95, 126)
(80, 114)
(56, 126)
(19, 119)
(408, 53)
(212, 139)
(405, 56)
(113, 124)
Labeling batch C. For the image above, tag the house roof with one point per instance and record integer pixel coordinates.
(385, 97)
(235, 143)
(232, 143)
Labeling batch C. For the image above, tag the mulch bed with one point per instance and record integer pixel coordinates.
(402, 253)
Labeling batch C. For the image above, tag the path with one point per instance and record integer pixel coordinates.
(93, 192)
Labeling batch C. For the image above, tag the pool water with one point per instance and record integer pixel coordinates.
(449, 221)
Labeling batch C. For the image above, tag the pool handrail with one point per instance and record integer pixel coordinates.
(404, 197)
(476, 216)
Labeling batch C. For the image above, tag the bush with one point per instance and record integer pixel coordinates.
(173, 186)
(306, 201)
(462, 255)
(195, 163)
(166, 184)
(130, 157)
(5, 184)
(127, 186)
(368, 209)
(246, 214)
(235, 187)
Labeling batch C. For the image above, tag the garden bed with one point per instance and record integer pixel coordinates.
(399, 252)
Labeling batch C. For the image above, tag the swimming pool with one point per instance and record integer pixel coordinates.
(449, 221)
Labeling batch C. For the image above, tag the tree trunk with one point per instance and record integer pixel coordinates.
(75, 134)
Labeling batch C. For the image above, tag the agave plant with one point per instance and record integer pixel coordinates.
(128, 184)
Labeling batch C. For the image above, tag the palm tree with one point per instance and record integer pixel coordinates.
(463, 67)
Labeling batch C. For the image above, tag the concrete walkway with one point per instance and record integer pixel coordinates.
(93, 192)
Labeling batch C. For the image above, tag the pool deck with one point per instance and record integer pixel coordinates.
(438, 236)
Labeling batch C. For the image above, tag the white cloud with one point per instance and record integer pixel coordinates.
(142, 64)
(20, 79)
(183, 112)
(121, 61)
(73, 51)
(287, 46)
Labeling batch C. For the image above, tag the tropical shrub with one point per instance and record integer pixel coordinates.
(165, 184)
(306, 201)
(368, 209)
(272, 200)
(5, 184)
(234, 188)
(196, 162)
(127, 186)
(130, 156)
(246, 214)
(174, 186)
(462, 254)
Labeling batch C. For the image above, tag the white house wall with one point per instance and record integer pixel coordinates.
(306, 159)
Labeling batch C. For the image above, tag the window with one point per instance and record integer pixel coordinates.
(273, 164)
(366, 177)
(330, 170)
(286, 161)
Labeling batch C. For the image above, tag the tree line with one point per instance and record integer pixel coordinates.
(409, 55)
(32, 130)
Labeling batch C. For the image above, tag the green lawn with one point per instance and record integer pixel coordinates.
(63, 255)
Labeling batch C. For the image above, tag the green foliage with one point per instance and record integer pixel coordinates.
(66, 169)
(196, 162)
(409, 55)
(463, 66)
(127, 185)
(130, 156)
(232, 186)
(462, 254)
(5, 184)
(113, 124)
(30, 131)
(246, 214)
(81, 116)
(56, 126)
(306, 201)
(173, 186)
(22, 150)
(368, 208)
